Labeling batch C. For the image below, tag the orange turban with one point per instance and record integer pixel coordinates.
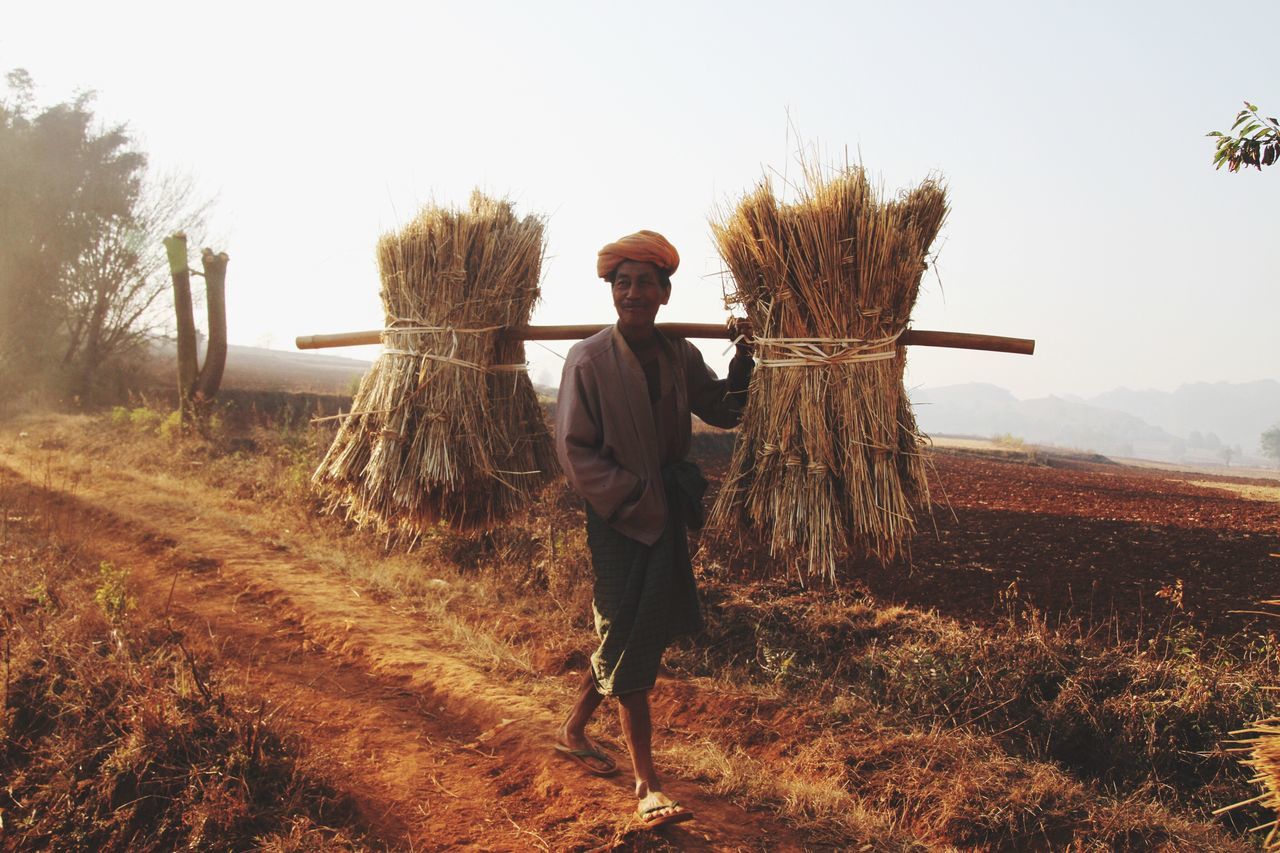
(641, 246)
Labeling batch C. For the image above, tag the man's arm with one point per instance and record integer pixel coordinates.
(719, 402)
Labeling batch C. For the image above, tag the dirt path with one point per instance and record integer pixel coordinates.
(440, 751)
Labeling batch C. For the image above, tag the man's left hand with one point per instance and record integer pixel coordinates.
(741, 331)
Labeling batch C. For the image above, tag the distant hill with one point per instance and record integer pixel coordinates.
(1192, 424)
(258, 369)
(987, 410)
(1237, 413)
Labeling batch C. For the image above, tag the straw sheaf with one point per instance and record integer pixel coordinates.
(1263, 750)
(828, 462)
(446, 425)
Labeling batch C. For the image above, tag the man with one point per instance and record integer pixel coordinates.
(622, 434)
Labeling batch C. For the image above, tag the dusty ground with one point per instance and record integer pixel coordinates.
(1091, 541)
(447, 745)
(441, 753)
(1085, 540)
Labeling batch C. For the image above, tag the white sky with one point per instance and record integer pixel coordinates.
(1085, 211)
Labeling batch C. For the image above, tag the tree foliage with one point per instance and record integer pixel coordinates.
(82, 268)
(1253, 141)
(1271, 443)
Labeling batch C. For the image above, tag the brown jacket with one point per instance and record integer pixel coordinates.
(605, 433)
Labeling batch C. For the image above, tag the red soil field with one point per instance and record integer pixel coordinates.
(1090, 541)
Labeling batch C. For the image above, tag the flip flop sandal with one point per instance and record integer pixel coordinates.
(651, 820)
(606, 767)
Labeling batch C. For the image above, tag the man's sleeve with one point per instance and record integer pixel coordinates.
(588, 465)
(719, 402)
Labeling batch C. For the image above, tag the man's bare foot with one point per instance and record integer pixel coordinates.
(575, 740)
(585, 751)
(657, 809)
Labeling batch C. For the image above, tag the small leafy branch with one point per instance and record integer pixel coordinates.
(1256, 141)
(112, 594)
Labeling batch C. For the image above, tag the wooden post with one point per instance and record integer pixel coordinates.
(215, 357)
(188, 369)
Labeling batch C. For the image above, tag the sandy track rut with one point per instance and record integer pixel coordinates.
(438, 752)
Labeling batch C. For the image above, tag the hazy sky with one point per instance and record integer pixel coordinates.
(1085, 211)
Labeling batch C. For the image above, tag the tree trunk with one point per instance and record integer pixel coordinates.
(215, 358)
(188, 369)
(91, 354)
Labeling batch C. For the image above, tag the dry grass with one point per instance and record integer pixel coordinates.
(446, 425)
(114, 736)
(816, 801)
(1254, 492)
(847, 774)
(1144, 720)
(829, 461)
(891, 723)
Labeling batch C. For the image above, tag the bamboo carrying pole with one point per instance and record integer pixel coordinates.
(911, 337)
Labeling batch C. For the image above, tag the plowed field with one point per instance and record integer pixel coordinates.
(1091, 541)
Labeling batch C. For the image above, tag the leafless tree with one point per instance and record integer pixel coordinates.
(115, 292)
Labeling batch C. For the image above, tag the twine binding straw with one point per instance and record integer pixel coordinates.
(810, 352)
(417, 340)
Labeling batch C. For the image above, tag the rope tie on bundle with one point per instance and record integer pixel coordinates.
(821, 352)
(405, 338)
(793, 459)
(402, 340)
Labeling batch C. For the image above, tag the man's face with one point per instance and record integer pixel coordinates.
(638, 294)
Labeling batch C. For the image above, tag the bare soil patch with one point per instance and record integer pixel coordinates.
(1090, 542)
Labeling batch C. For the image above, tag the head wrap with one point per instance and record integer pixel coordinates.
(647, 246)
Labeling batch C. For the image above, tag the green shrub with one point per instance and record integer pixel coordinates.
(171, 427)
(147, 420)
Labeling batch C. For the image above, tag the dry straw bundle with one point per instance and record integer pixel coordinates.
(1263, 747)
(446, 425)
(827, 464)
